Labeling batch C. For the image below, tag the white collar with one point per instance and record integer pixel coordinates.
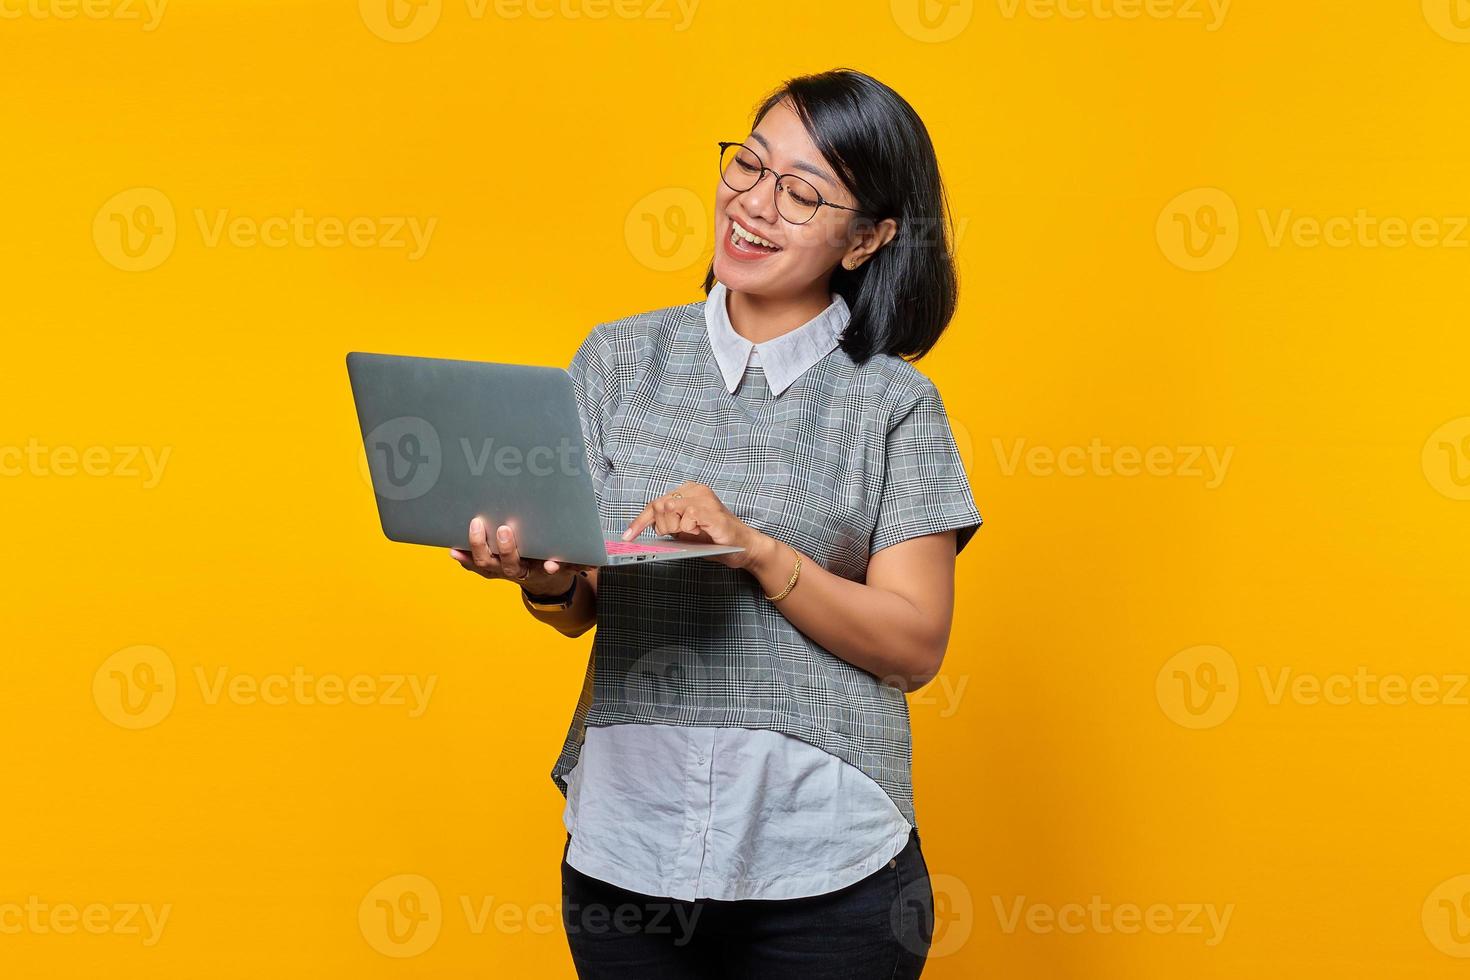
(784, 358)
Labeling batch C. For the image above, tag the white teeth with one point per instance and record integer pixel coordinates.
(739, 232)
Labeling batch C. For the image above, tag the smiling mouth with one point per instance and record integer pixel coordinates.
(742, 238)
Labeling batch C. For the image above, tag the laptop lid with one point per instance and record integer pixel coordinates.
(450, 440)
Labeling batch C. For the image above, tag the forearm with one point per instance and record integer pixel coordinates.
(577, 618)
(874, 629)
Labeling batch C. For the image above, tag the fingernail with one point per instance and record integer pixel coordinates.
(505, 534)
(627, 534)
(476, 524)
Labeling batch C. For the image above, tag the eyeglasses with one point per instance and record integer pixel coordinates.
(741, 168)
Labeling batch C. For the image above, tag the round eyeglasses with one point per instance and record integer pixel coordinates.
(741, 168)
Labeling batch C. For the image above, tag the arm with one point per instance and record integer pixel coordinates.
(895, 625)
(580, 616)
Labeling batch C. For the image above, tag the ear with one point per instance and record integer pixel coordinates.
(868, 239)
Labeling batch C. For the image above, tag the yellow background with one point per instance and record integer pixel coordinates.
(1059, 757)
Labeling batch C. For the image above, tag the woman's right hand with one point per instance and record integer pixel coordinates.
(502, 559)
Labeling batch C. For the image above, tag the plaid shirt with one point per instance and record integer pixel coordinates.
(846, 461)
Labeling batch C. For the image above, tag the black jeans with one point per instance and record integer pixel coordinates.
(879, 928)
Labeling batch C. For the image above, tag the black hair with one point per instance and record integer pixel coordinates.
(902, 298)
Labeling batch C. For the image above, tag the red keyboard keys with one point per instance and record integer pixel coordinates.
(636, 548)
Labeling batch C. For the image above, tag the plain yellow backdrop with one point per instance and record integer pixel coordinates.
(1203, 713)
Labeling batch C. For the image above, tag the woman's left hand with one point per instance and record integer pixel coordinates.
(691, 512)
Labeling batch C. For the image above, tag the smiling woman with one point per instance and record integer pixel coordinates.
(862, 212)
(740, 759)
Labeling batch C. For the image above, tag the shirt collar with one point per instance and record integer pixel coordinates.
(784, 358)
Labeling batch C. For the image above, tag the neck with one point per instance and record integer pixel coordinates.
(762, 318)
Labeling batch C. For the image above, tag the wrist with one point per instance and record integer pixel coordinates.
(779, 571)
(551, 598)
(771, 560)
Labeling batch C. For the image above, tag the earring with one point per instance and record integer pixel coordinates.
(848, 264)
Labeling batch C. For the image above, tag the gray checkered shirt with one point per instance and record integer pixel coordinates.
(844, 462)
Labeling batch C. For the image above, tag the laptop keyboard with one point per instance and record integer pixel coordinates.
(635, 548)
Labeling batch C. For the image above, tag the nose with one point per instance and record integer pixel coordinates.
(760, 200)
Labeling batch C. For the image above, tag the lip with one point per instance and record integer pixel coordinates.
(740, 252)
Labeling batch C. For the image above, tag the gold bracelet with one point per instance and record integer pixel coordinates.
(795, 574)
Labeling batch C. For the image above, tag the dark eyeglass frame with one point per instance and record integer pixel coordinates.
(821, 201)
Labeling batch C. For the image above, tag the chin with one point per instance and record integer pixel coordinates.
(740, 279)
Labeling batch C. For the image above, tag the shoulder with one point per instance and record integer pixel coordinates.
(633, 337)
(897, 384)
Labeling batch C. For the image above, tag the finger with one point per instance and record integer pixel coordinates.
(688, 524)
(644, 518)
(480, 552)
(467, 562)
(670, 515)
(510, 555)
(696, 530)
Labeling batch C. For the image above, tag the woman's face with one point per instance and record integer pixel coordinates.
(805, 254)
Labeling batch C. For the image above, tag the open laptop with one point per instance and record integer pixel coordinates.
(447, 441)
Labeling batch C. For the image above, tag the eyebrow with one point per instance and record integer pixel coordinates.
(810, 168)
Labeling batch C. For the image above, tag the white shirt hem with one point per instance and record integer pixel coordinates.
(805, 886)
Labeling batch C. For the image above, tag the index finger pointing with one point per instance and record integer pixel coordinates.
(639, 523)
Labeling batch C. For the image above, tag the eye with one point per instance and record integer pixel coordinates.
(805, 200)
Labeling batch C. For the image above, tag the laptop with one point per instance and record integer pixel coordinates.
(447, 441)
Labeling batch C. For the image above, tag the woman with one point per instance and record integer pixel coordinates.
(737, 772)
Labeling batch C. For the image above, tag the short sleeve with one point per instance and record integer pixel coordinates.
(925, 489)
(592, 383)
